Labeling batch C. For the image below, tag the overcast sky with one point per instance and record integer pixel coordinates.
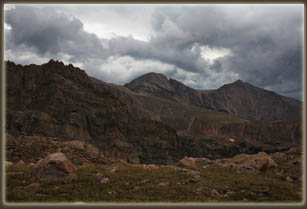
(203, 46)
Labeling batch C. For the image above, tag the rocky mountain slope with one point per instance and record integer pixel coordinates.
(60, 101)
(170, 104)
(57, 100)
(239, 98)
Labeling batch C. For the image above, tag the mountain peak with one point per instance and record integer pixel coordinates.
(150, 82)
(54, 62)
(152, 75)
(239, 81)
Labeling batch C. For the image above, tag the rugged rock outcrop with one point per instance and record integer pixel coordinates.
(242, 163)
(249, 163)
(56, 100)
(192, 162)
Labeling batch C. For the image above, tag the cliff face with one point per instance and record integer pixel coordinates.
(239, 98)
(154, 120)
(61, 101)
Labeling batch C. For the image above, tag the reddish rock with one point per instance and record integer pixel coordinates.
(112, 170)
(150, 166)
(249, 163)
(33, 186)
(104, 180)
(215, 192)
(8, 164)
(79, 145)
(164, 184)
(187, 161)
(93, 151)
(20, 163)
(192, 162)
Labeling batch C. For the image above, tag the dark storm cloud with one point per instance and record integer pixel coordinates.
(52, 32)
(265, 43)
(179, 56)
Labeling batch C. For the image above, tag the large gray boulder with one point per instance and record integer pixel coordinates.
(55, 167)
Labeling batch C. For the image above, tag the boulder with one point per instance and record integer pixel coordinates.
(20, 163)
(79, 145)
(187, 161)
(55, 167)
(150, 166)
(112, 170)
(164, 184)
(93, 151)
(33, 186)
(289, 179)
(249, 163)
(144, 181)
(104, 180)
(192, 162)
(136, 165)
(8, 164)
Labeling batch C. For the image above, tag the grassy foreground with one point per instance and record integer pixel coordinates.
(164, 184)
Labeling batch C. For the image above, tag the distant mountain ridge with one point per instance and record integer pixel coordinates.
(239, 98)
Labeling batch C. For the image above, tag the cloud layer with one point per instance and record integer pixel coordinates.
(216, 45)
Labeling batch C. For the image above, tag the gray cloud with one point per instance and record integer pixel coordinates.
(49, 31)
(265, 42)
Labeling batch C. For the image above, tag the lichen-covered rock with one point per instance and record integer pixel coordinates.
(55, 167)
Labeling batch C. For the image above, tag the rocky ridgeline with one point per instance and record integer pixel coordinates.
(155, 97)
(239, 98)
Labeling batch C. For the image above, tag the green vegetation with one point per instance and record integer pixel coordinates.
(163, 184)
